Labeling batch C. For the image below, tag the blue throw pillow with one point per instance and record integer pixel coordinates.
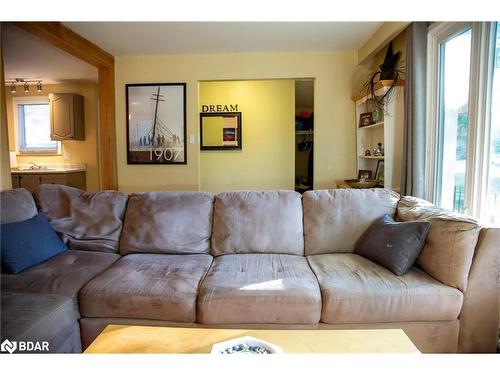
(28, 243)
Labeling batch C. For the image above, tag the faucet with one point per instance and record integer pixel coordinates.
(35, 166)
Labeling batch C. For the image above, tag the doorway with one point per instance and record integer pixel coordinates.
(304, 135)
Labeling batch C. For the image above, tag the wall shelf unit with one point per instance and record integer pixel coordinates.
(372, 126)
(389, 132)
(371, 157)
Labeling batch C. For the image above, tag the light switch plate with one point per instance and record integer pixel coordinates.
(67, 156)
(192, 138)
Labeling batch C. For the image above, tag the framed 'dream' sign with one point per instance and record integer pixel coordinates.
(156, 123)
(220, 131)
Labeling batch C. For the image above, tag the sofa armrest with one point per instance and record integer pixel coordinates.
(479, 316)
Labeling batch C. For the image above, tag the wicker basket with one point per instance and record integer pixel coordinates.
(362, 184)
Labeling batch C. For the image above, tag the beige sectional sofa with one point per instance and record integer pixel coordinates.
(265, 259)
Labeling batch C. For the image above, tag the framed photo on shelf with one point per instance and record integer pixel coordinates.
(379, 173)
(156, 123)
(364, 174)
(365, 119)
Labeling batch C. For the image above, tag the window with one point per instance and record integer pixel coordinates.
(33, 126)
(492, 206)
(453, 119)
(463, 105)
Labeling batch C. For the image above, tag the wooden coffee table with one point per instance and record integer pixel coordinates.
(140, 339)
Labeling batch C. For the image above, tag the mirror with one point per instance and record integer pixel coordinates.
(220, 131)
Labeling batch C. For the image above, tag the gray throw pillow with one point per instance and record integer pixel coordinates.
(393, 245)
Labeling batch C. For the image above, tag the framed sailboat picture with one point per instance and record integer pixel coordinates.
(156, 123)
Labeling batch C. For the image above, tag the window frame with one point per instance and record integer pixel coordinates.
(480, 84)
(34, 100)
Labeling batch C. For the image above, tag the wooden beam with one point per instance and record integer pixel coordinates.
(5, 177)
(107, 132)
(67, 40)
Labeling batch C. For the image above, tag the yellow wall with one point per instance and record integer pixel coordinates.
(335, 148)
(268, 129)
(81, 151)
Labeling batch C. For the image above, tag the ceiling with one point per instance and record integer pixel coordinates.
(31, 58)
(143, 38)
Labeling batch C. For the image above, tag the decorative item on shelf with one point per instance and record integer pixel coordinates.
(379, 151)
(379, 173)
(156, 123)
(390, 70)
(364, 174)
(365, 119)
(378, 116)
(362, 184)
(367, 152)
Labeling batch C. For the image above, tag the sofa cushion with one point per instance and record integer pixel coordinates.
(356, 290)
(168, 222)
(16, 205)
(394, 245)
(64, 274)
(40, 317)
(28, 243)
(448, 252)
(147, 286)
(335, 219)
(85, 221)
(258, 222)
(259, 288)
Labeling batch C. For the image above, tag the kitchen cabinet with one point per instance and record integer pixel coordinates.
(67, 120)
(31, 180)
(27, 181)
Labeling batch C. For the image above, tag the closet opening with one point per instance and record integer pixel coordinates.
(304, 135)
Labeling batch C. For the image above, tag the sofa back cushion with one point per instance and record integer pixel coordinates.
(258, 222)
(16, 205)
(85, 221)
(449, 249)
(168, 222)
(335, 219)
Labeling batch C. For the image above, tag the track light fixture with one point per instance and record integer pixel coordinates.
(26, 84)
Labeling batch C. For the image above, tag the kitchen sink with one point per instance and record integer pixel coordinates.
(35, 169)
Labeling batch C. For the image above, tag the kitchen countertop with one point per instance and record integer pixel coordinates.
(49, 169)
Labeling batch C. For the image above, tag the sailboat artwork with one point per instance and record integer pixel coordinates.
(156, 123)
